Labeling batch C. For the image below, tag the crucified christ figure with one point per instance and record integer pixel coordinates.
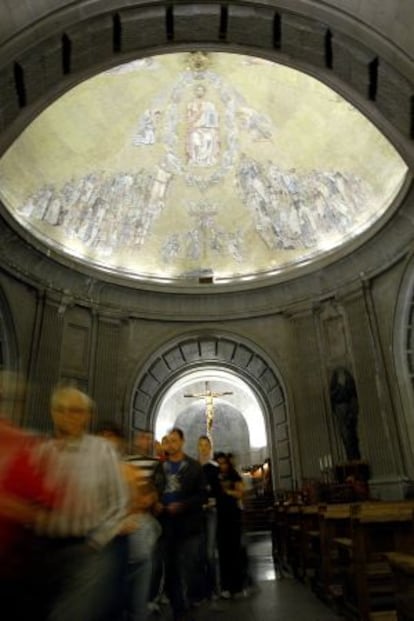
(209, 396)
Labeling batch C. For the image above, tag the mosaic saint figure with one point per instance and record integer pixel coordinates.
(202, 140)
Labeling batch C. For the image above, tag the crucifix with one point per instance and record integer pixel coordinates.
(208, 395)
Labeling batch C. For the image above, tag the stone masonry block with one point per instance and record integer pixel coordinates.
(160, 370)
(395, 98)
(282, 433)
(208, 348)
(141, 401)
(283, 449)
(196, 23)
(285, 468)
(276, 396)
(140, 420)
(190, 351)
(9, 107)
(256, 366)
(174, 359)
(303, 39)
(91, 42)
(149, 385)
(42, 68)
(260, 26)
(141, 28)
(268, 381)
(242, 356)
(351, 62)
(225, 350)
(279, 415)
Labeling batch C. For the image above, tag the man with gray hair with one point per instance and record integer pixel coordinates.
(78, 556)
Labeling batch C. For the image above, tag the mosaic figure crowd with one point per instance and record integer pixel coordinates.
(90, 533)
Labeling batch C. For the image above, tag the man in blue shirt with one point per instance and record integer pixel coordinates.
(182, 494)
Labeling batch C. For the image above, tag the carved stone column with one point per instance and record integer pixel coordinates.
(106, 369)
(45, 362)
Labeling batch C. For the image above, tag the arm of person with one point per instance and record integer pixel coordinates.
(17, 510)
(115, 499)
(237, 491)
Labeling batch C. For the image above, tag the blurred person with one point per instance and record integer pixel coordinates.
(158, 449)
(143, 453)
(161, 449)
(229, 528)
(76, 556)
(143, 457)
(132, 476)
(141, 529)
(142, 539)
(211, 474)
(24, 496)
(113, 433)
(131, 473)
(182, 491)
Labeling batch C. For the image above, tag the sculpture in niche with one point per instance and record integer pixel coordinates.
(345, 407)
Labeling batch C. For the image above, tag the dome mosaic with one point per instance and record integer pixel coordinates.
(186, 166)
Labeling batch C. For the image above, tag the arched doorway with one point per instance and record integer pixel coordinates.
(224, 357)
(239, 422)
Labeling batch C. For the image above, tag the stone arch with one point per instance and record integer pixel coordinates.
(227, 352)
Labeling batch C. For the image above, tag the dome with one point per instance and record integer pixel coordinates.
(200, 167)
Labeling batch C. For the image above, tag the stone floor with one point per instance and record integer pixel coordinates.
(274, 600)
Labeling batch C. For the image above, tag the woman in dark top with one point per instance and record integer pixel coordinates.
(229, 528)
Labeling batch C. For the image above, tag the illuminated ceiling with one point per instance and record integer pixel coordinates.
(191, 165)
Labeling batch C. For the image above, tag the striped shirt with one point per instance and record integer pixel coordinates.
(92, 494)
(146, 465)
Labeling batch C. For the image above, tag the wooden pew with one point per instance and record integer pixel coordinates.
(402, 567)
(334, 525)
(343, 549)
(278, 529)
(286, 539)
(310, 548)
(293, 539)
(376, 529)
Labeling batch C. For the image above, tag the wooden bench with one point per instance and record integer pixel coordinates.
(293, 539)
(286, 539)
(335, 525)
(278, 528)
(376, 529)
(402, 567)
(310, 548)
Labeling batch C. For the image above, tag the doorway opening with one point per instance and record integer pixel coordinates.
(218, 403)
